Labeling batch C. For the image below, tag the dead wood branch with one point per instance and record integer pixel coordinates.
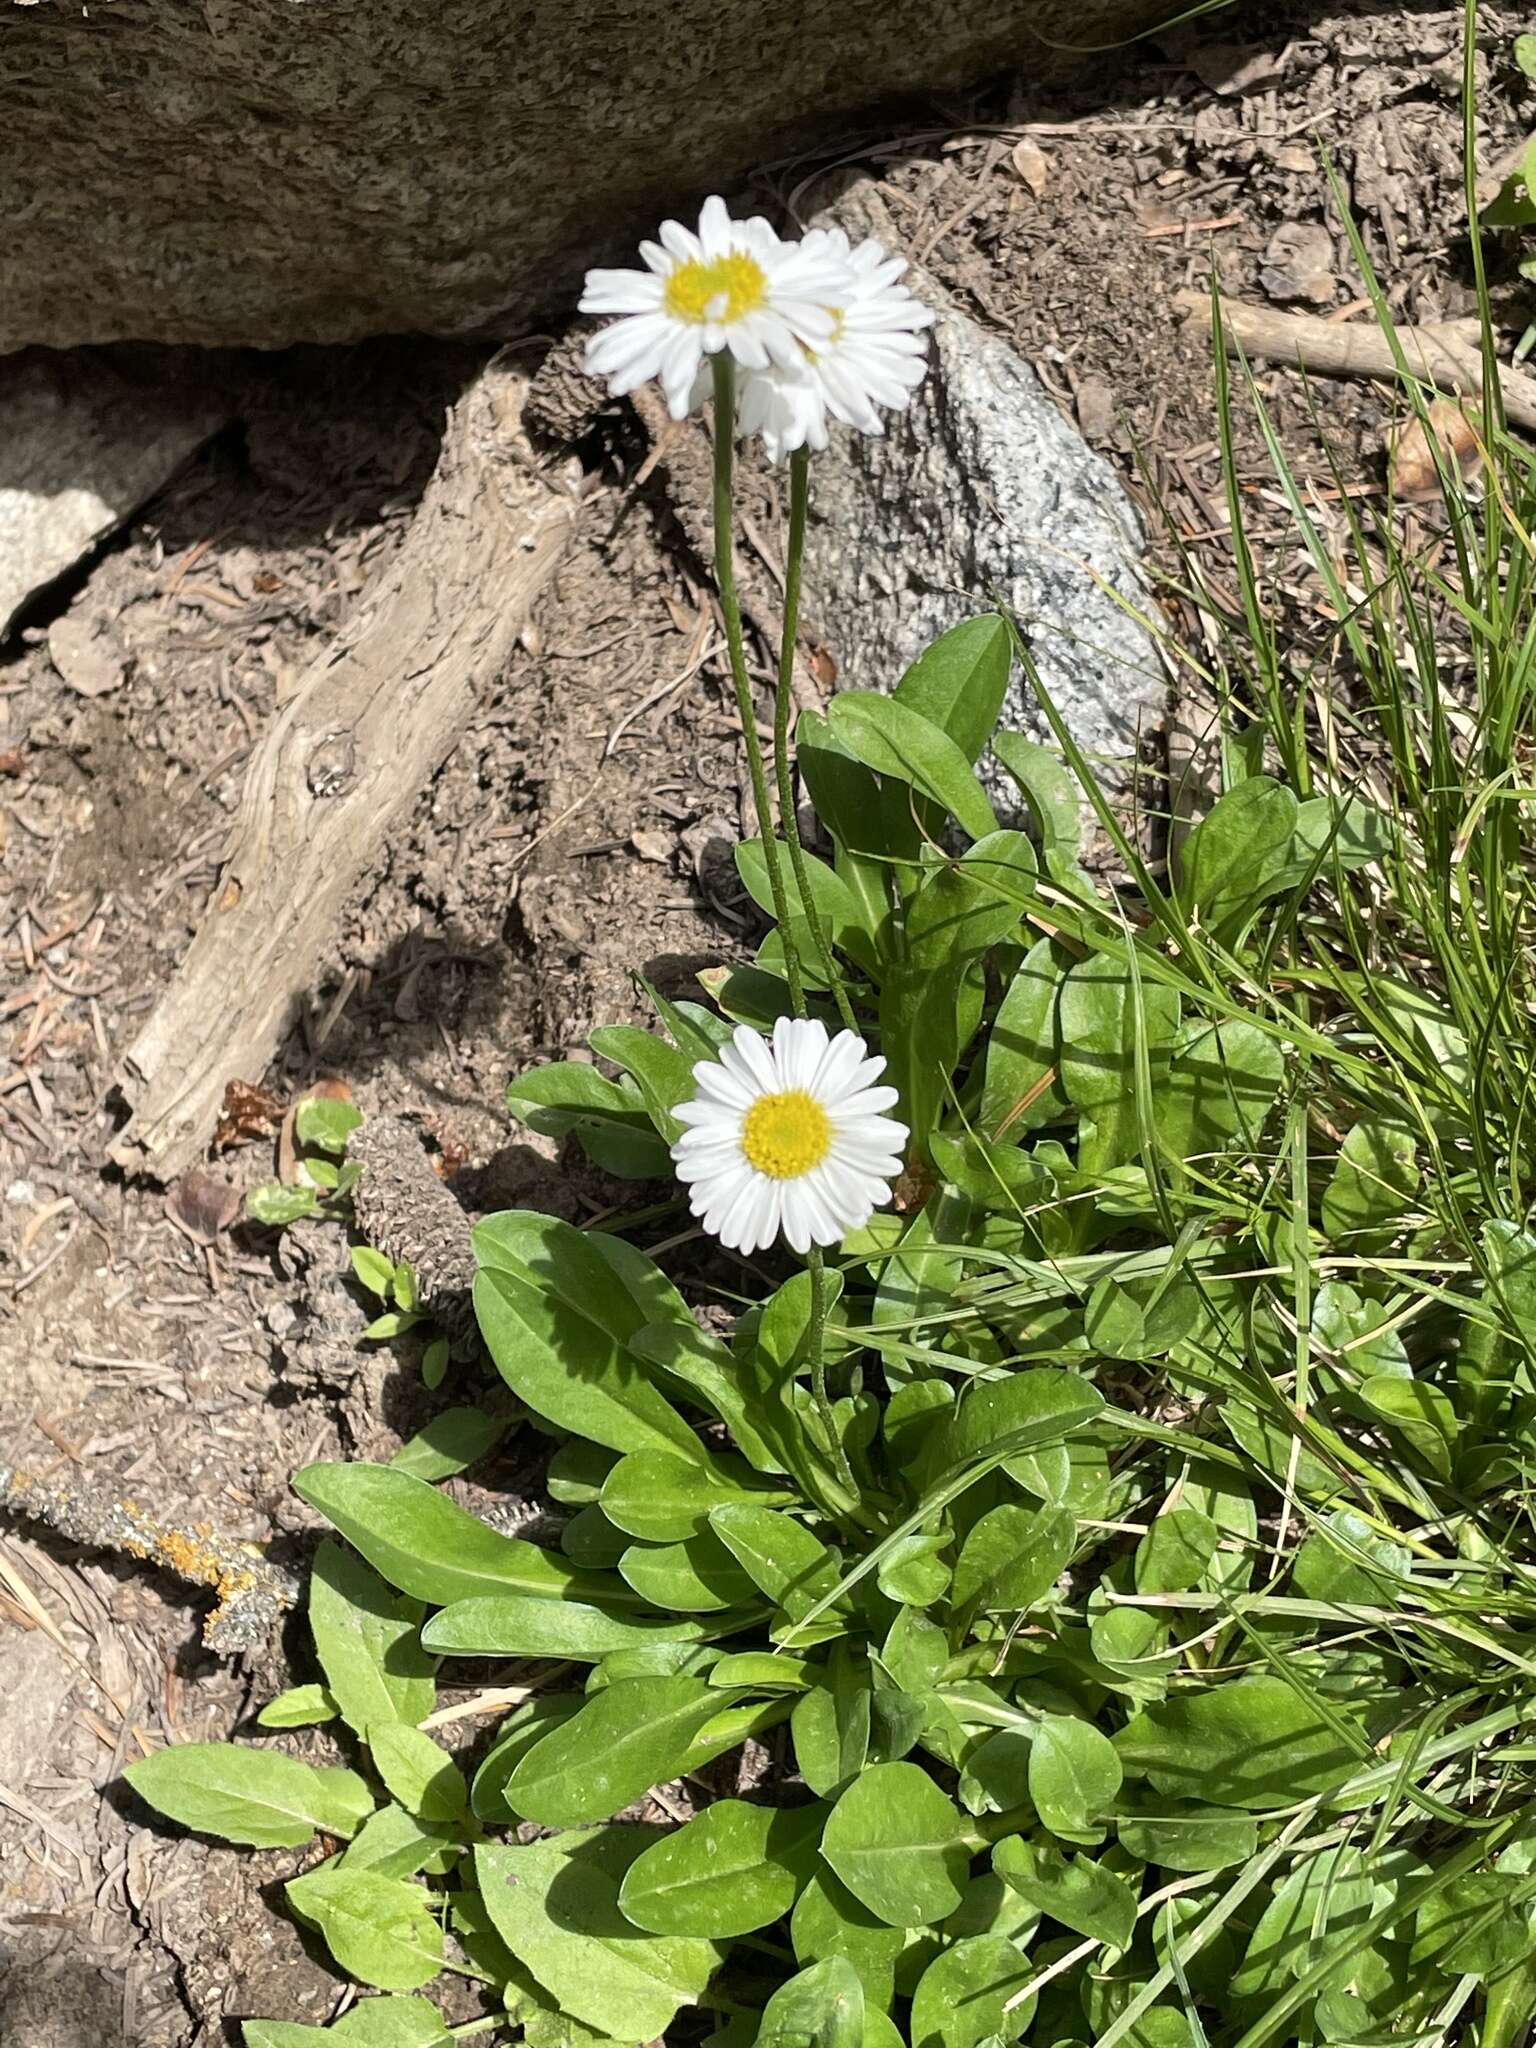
(1445, 353)
(369, 723)
(253, 1594)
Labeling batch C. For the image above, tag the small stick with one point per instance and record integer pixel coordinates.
(253, 1594)
(1445, 352)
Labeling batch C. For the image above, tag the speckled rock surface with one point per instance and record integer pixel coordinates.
(983, 490)
(80, 449)
(274, 171)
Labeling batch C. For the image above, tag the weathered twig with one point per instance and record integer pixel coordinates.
(253, 1594)
(406, 1212)
(1446, 353)
(368, 724)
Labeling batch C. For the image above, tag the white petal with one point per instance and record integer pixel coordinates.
(678, 242)
(747, 1056)
(798, 1046)
(839, 1063)
(866, 1102)
(796, 1218)
(714, 228)
(708, 1113)
(720, 1084)
(620, 291)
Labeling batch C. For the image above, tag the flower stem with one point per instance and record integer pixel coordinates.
(799, 501)
(816, 1353)
(725, 578)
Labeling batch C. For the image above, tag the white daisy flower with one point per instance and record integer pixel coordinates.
(875, 356)
(732, 285)
(789, 1136)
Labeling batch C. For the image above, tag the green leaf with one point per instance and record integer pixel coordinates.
(663, 1075)
(911, 1572)
(1078, 1892)
(781, 1556)
(555, 1903)
(958, 683)
(1176, 1836)
(1050, 789)
(556, 1099)
(829, 1921)
(417, 1772)
(731, 1869)
(1218, 1089)
(1143, 1315)
(434, 1370)
(367, 1640)
(1320, 1906)
(1346, 1560)
(1421, 1414)
(422, 1543)
(823, 2007)
(526, 1625)
(590, 1540)
(557, 1310)
(395, 1844)
(1019, 1413)
(1021, 1048)
(577, 1472)
(661, 1498)
(275, 1205)
(375, 1271)
(325, 1124)
(847, 800)
(1525, 54)
(253, 1796)
(301, 1706)
(1102, 1016)
(379, 1929)
(962, 1998)
(843, 917)
(392, 2023)
(451, 1442)
(515, 1736)
(699, 1576)
(371, 2023)
(389, 1325)
(714, 1380)
(1175, 1552)
(1234, 854)
(1374, 1181)
(897, 1843)
(1012, 1558)
(1479, 1924)
(631, 1736)
(900, 743)
(1255, 1742)
(1074, 1775)
(932, 1002)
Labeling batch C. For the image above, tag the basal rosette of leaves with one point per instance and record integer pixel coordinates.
(1136, 1690)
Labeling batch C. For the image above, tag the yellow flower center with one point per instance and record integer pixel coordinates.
(725, 290)
(786, 1135)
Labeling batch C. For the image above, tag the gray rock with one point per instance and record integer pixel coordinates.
(81, 448)
(981, 491)
(225, 172)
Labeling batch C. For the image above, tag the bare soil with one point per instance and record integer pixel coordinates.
(579, 832)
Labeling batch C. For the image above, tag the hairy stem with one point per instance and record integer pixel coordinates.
(799, 501)
(725, 578)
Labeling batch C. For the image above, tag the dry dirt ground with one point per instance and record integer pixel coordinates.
(546, 861)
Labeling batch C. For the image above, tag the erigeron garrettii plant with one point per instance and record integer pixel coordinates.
(987, 1711)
